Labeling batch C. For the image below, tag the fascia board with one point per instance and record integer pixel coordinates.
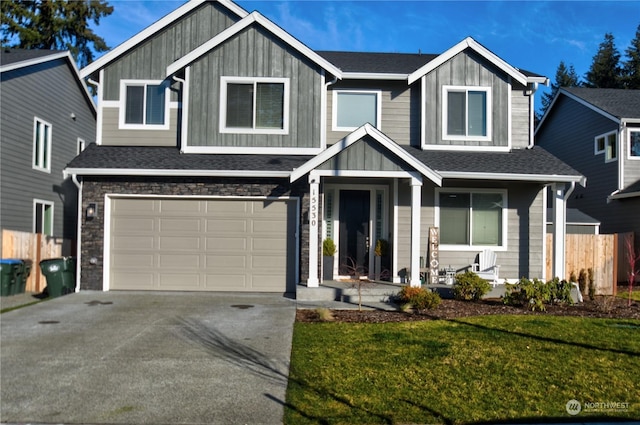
(624, 195)
(171, 173)
(353, 137)
(244, 23)
(373, 76)
(478, 48)
(35, 61)
(582, 180)
(590, 106)
(151, 30)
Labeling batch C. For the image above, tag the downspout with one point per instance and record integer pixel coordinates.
(98, 87)
(532, 91)
(74, 179)
(182, 124)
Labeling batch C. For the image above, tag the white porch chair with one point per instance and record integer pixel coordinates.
(486, 266)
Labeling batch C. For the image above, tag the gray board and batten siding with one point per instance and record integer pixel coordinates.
(254, 53)
(50, 92)
(467, 69)
(365, 155)
(525, 228)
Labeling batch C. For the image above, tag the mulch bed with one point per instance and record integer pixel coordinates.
(601, 307)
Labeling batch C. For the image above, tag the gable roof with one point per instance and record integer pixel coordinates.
(357, 135)
(620, 103)
(470, 43)
(152, 30)
(361, 64)
(254, 17)
(11, 59)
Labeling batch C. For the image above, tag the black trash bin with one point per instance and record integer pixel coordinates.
(60, 274)
(9, 274)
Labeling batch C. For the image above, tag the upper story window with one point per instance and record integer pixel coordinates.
(42, 217)
(472, 218)
(608, 144)
(80, 146)
(254, 105)
(354, 108)
(144, 104)
(466, 113)
(41, 145)
(634, 144)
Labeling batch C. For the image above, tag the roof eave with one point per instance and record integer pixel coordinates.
(171, 172)
(34, 61)
(559, 178)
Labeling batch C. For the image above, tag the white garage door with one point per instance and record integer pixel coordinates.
(202, 245)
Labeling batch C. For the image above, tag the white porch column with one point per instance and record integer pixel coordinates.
(314, 219)
(416, 204)
(560, 195)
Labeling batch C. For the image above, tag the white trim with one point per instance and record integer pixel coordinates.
(423, 112)
(543, 271)
(186, 92)
(623, 195)
(172, 173)
(334, 115)
(153, 29)
(628, 139)
(226, 80)
(466, 148)
(44, 146)
(254, 17)
(355, 136)
(606, 145)
(108, 197)
(478, 48)
(122, 104)
(514, 177)
(374, 76)
(446, 89)
(251, 150)
(80, 145)
(364, 174)
(416, 215)
(580, 101)
(51, 204)
(35, 61)
(394, 257)
(471, 191)
(101, 106)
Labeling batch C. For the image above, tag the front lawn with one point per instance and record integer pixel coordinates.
(477, 369)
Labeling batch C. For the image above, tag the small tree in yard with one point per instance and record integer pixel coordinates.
(633, 257)
(355, 271)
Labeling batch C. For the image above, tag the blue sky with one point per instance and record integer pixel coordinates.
(532, 35)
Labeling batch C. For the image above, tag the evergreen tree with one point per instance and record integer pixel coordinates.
(565, 77)
(605, 71)
(632, 66)
(54, 24)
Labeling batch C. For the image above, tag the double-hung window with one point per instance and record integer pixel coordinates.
(254, 105)
(145, 104)
(41, 145)
(43, 217)
(472, 218)
(634, 143)
(354, 108)
(608, 144)
(466, 113)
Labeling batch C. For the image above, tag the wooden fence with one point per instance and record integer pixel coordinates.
(597, 252)
(34, 247)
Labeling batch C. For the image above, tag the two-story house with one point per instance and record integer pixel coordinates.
(227, 150)
(597, 131)
(47, 117)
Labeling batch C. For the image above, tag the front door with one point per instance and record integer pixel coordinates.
(354, 232)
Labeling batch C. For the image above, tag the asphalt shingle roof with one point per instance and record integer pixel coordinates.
(11, 56)
(170, 158)
(382, 63)
(534, 161)
(617, 102)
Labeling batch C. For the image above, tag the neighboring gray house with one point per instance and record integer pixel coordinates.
(47, 117)
(597, 131)
(227, 150)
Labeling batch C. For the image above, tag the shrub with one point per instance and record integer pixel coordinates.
(582, 281)
(534, 294)
(419, 298)
(592, 284)
(324, 314)
(328, 247)
(469, 286)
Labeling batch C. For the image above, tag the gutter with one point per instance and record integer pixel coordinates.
(171, 173)
(532, 113)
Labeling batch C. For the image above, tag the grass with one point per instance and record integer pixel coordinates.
(624, 294)
(8, 309)
(480, 369)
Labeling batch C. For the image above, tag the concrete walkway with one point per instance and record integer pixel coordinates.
(146, 358)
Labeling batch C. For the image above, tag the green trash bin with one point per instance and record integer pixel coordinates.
(9, 274)
(21, 285)
(60, 274)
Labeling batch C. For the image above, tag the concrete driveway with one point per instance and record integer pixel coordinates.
(147, 358)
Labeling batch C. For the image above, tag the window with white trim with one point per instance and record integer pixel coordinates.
(608, 144)
(81, 146)
(472, 218)
(145, 104)
(254, 105)
(354, 108)
(466, 113)
(41, 145)
(43, 217)
(634, 144)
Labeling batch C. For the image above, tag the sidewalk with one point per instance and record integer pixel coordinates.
(19, 299)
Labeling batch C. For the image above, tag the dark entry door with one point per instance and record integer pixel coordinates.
(354, 231)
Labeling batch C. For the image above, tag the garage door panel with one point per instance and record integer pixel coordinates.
(202, 245)
(176, 243)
